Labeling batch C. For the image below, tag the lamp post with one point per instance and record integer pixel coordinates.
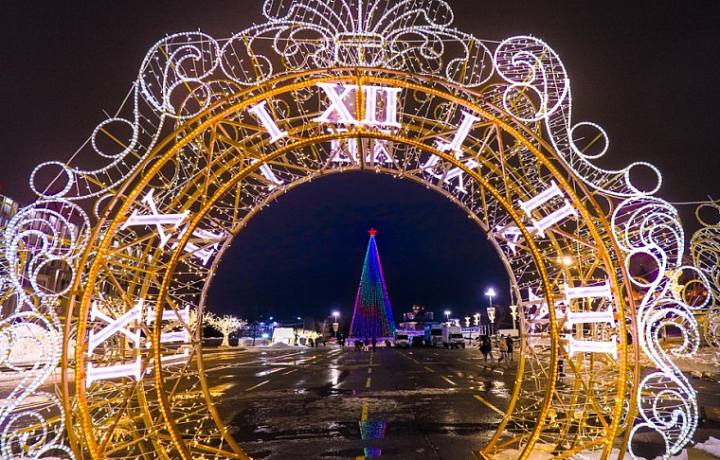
(491, 315)
(447, 316)
(490, 293)
(491, 310)
(335, 324)
(476, 318)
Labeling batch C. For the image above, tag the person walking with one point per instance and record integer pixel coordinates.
(503, 347)
(509, 341)
(486, 347)
(374, 342)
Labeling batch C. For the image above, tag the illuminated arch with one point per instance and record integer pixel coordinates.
(217, 130)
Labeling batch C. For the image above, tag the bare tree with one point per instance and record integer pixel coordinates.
(226, 325)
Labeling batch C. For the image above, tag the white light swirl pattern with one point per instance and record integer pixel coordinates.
(705, 248)
(40, 239)
(649, 230)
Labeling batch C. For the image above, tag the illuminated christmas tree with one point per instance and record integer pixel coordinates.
(372, 316)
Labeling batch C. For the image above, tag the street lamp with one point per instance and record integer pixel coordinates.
(447, 316)
(335, 324)
(491, 310)
(490, 293)
(476, 316)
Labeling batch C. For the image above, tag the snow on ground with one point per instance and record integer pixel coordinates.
(281, 345)
(711, 446)
(705, 363)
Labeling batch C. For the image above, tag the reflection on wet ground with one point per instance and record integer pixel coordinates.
(361, 406)
(372, 431)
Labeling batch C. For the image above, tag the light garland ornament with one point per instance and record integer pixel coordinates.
(215, 130)
(705, 250)
(38, 237)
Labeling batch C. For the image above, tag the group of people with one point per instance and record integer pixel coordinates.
(504, 345)
(314, 342)
(360, 345)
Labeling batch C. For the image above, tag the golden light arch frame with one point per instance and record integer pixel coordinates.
(218, 130)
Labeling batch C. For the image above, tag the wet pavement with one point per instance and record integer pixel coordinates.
(394, 404)
(328, 403)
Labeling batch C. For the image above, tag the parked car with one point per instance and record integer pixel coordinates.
(402, 340)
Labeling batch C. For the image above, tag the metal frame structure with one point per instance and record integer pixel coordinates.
(218, 129)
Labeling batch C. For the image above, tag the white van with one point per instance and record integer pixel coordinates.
(402, 340)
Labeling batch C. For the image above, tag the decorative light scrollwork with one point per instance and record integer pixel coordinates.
(32, 422)
(705, 249)
(649, 229)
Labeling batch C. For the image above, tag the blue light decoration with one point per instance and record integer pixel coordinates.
(370, 431)
(372, 315)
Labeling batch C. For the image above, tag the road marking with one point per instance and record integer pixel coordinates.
(369, 370)
(258, 385)
(489, 405)
(289, 372)
(268, 372)
(448, 380)
(364, 416)
(367, 384)
(219, 368)
(428, 369)
(222, 387)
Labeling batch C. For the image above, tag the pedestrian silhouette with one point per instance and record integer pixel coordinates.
(503, 347)
(486, 347)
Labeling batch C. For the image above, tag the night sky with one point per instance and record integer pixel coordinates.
(643, 70)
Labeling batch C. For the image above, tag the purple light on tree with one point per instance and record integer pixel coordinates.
(372, 315)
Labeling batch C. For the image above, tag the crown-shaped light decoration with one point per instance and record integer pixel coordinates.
(409, 35)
